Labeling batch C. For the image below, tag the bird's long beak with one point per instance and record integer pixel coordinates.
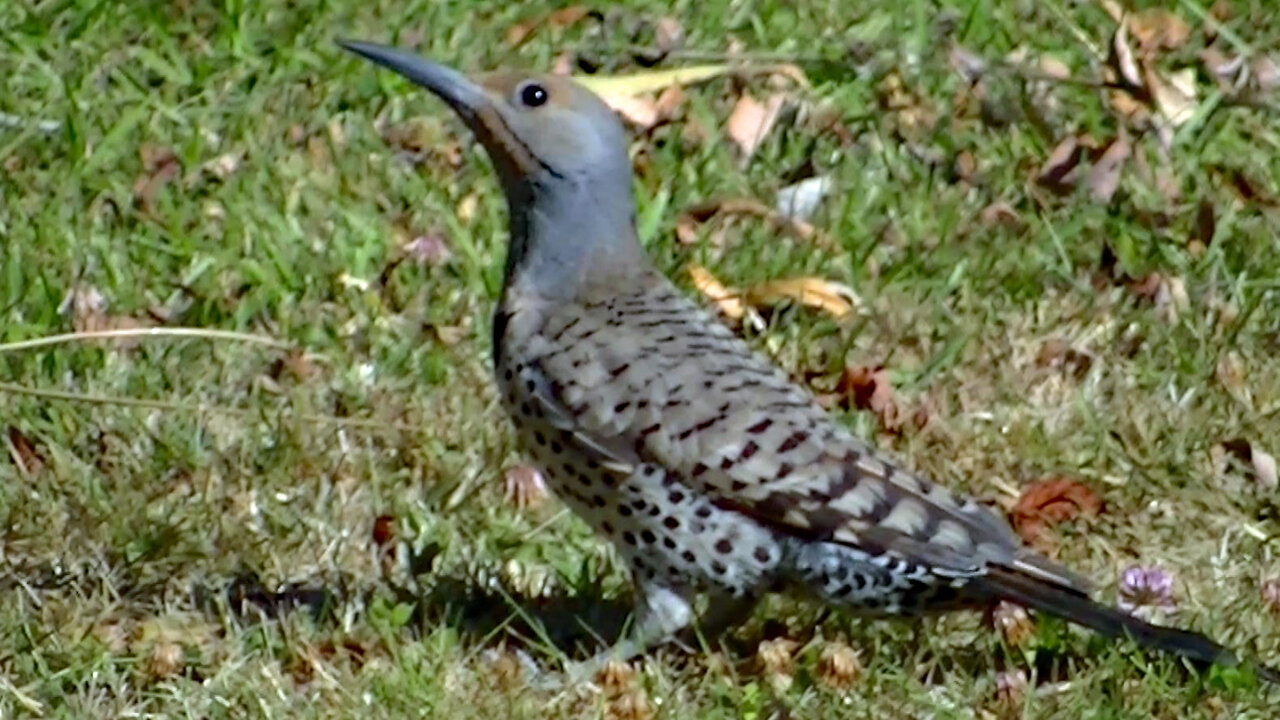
(464, 95)
(511, 156)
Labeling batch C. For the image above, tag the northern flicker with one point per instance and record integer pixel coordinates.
(703, 463)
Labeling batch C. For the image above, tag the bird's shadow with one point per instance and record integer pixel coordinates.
(573, 624)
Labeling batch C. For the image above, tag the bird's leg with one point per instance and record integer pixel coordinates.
(661, 613)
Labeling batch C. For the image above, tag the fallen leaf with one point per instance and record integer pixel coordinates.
(865, 387)
(668, 102)
(1011, 691)
(686, 229)
(999, 213)
(1158, 29)
(651, 81)
(428, 249)
(728, 301)
(23, 453)
(1261, 462)
(835, 298)
(1056, 353)
(1230, 372)
(561, 18)
(223, 166)
(1054, 67)
(563, 65)
(633, 704)
(615, 676)
(970, 65)
(1146, 287)
(1056, 172)
(1172, 299)
(525, 487)
(1122, 59)
(668, 34)
(965, 167)
(384, 531)
(160, 166)
(911, 112)
(1014, 624)
(751, 121)
(1050, 502)
(1174, 97)
(1264, 466)
(88, 309)
(1266, 72)
(1246, 189)
(1224, 69)
(639, 111)
(838, 666)
(702, 212)
(801, 200)
(1104, 176)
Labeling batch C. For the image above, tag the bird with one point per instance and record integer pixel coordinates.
(701, 461)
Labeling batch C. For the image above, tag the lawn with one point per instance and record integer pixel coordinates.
(321, 511)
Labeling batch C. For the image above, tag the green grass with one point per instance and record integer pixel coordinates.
(149, 565)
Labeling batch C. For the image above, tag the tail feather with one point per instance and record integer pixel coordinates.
(1074, 606)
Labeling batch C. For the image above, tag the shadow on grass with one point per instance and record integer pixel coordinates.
(576, 625)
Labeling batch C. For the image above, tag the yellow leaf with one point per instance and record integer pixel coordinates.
(728, 300)
(832, 297)
(656, 80)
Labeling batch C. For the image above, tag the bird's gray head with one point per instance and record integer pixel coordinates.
(562, 156)
(538, 129)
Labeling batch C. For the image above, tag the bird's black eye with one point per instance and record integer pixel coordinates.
(532, 95)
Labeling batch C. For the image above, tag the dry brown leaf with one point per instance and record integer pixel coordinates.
(616, 676)
(864, 387)
(835, 298)
(668, 102)
(88, 310)
(1264, 466)
(1266, 72)
(1054, 67)
(1158, 29)
(1104, 176)
(23, 452)
(668, 34)
(633, 704)
(160, 166)
(384, 531)
(838, 666)
(1063, 159)
(563, 64)
(751, 121)
(525, 487)
(1175, 96)
(1146, 287)
(798, 229)
(1223, 68)
(1261, 462)
(965, 166)
(970, 65)
(776, 657)
(686, 229)
(1123, 61)
(1014, 623)
(1046, 503)
(1230, 372)
(728, 301)
(999, 213)
(561, 18)
(638, 110)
